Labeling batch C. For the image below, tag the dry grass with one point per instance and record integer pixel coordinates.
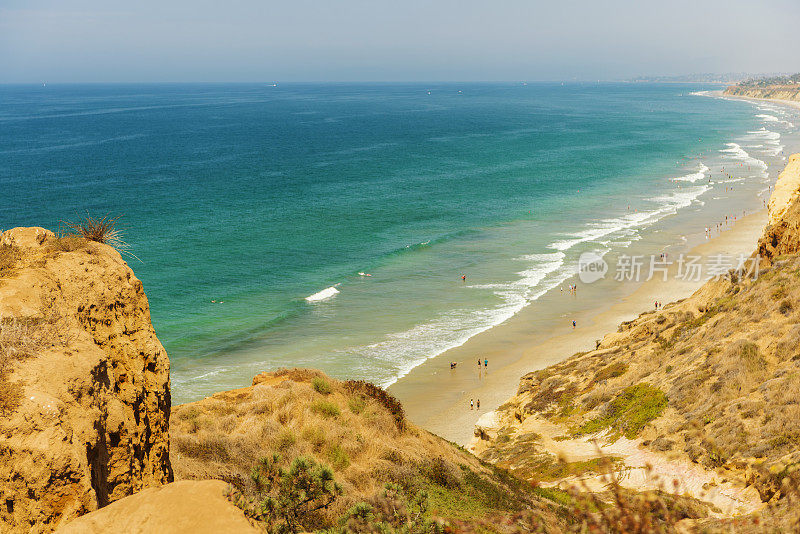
(20, 340)
(101, 230)
(740, 349)
(68, 243)
(9, 258)
(350, 427)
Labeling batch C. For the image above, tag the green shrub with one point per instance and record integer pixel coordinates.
(360, 387)
(611, 371)
(325, 408)
(290, 500)
(394, 511)
(320, 385)
(357, 405)
(630, 411)
(338, 457)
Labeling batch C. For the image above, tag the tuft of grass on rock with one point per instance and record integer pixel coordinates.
(9, 256)
(102, 230)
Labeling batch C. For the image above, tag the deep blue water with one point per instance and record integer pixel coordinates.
(259, 196)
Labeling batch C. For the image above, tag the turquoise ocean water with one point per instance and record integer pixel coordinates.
(258, 197)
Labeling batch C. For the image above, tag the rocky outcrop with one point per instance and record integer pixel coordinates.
(782, 234)
(190, 507)
(772, 92)
(89, 424)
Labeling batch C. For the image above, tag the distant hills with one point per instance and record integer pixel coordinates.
(726, 78)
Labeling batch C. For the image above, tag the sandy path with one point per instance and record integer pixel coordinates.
(642, 469)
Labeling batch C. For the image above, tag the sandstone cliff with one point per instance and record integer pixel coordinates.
(772, 92)
(782, 234)
(85, 381)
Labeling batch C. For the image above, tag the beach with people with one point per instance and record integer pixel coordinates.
(576, 315)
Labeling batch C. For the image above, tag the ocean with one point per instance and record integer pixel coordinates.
(242, 202)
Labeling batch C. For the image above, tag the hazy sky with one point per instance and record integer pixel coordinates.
(391, 40)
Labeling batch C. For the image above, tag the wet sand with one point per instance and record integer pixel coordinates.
(792, 103)
(437, 398)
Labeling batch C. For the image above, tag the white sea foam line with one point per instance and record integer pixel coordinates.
(406, 350)
(697, 175)
(670, 203)
(772, 118)
(771, 140)
(411, 348)
(763, 133)
(735, 151)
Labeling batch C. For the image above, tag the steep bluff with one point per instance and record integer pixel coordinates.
(85, 381)
(772, 92)
(782, 234)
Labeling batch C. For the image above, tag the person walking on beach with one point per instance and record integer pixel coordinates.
(486, 363)
(574, 324)
(471, 404)
(479, 404)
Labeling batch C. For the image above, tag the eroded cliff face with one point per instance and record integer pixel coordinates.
(773, 92)
(86, 395)
(782, 234)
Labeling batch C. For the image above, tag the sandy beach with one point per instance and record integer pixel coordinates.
(790, 103)
(438, 398)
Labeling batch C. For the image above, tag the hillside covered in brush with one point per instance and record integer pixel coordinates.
(777, 87)
(703, 395)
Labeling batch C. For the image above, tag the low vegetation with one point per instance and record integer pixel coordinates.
(629, 411)
(383, 464)
(99, 229)
(711, 380)
(291, 499)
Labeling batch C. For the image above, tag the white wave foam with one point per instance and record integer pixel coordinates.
(412, 347)
(735, 151)
(668, 205)
(323, 295)
(698, 175)
(763, 133)
(772, 118)
(771, 141)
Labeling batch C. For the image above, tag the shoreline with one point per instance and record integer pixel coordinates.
(439, 402)
(790, 103)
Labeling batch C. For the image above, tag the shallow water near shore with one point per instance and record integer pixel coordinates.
(244, 200)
